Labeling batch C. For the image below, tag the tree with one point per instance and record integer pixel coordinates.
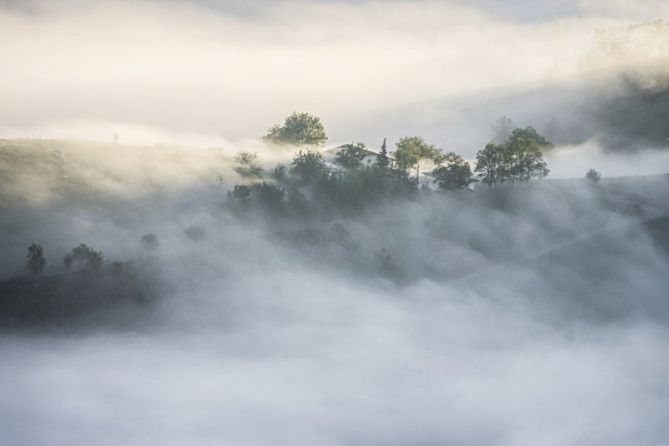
(490, 165)
(269, 196)
(248, 166)
(593, 176)
(518, 159)
(308, 166)
(382, 159)
(524, 150)
(350, 156)
(412, 149)
(150, 242)
(36, 260)
(91, 259)
(454, 174)
(298, 129)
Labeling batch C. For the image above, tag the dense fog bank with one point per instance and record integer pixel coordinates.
(520, 315)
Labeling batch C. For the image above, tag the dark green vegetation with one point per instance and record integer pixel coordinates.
(90, 289)
(518, 159)
(310, 186)
(36, 260)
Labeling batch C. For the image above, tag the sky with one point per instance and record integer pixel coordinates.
(215, 72)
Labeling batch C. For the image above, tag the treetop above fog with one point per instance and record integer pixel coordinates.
(298, 129)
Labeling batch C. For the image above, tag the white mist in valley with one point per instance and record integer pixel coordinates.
(511, 314)
(539, 320)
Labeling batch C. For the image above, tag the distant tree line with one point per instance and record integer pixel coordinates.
(308, 182)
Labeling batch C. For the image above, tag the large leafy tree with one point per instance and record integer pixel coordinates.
(518, 159)
(490, 165)
(298, 129)
(412, 149)
(455, 173)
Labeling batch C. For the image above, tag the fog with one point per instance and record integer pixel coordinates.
(525, 314)
(536, 316)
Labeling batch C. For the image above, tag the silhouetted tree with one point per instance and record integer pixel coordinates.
(91, 259)
(298, 129)
(593, 176)
(36, 260)
(382, 159)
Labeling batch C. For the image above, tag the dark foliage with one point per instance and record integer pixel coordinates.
(593, 176)
(36, 260)
(84, 255)
(350, 156)
(455, 173)
(75, 296)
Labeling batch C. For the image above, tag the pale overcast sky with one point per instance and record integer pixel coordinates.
(230, 69)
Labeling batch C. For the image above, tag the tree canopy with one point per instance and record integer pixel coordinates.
(518, 159)
(308, 166)
(36, 260)
(412, 149)
(83, 254)
(350, 156)
(298, 129)
(455, 173)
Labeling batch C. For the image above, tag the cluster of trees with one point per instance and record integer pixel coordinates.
(89, 258)
(309, 181)
(518, 159)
